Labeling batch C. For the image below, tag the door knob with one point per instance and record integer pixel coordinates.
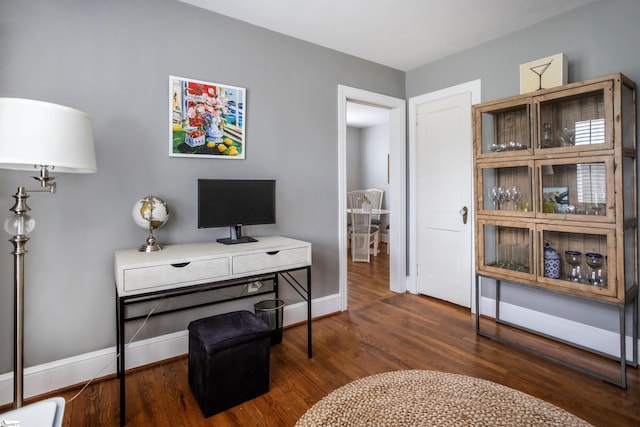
(465, 213)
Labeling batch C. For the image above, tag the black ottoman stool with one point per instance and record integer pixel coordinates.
(228, 360)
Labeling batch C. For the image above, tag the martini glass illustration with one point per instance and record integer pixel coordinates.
(539, 70)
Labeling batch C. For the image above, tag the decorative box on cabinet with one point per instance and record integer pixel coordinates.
(568, 154)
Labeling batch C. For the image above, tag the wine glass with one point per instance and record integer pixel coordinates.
(500, 191)
(516, 196)
(598, 203)
(494, 195)
(506, 197)
(567, 137)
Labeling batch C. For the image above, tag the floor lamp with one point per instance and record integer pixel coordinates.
(41, 136)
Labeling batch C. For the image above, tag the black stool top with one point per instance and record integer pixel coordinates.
(222, 331)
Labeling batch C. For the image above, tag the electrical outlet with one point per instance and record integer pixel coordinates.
(254, 286)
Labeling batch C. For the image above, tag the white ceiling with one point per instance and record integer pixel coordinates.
(402, 34)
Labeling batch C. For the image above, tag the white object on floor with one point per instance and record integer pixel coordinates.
(45, 413)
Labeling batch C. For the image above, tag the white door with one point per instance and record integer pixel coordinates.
(443, 191)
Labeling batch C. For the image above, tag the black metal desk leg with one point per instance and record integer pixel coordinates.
(477, 304)
(309, 344)
(121, 354)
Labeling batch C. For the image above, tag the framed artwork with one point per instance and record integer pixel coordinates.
(543, 73)
(555, 199)
(206, 119)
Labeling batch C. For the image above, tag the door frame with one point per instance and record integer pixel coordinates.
(474, 87)
(397, 185)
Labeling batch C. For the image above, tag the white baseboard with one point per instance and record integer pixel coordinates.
(63, 373)
(79, 369)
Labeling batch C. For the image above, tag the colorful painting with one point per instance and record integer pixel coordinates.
(206, 119)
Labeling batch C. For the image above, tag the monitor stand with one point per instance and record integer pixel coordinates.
(235, 231)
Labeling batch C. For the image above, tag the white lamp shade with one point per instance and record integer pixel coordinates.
(36, 133)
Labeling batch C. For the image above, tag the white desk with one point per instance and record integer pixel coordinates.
(180, 270)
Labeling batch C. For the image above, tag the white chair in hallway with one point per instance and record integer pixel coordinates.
(376, 203)
(363, 234)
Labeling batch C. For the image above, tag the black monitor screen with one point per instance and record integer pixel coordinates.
(231, 202)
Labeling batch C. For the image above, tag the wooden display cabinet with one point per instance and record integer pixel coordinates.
(570, 153)
(574, 168)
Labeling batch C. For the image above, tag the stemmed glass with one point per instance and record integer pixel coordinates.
(516, 196)
(598, 205)
(494, 195)
(507, 196)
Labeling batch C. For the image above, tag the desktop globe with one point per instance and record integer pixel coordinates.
(150, 213)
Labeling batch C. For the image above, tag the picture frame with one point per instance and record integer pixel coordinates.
(555, 199)
(544, 73)
(206, 120)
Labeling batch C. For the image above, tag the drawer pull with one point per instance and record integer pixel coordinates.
(273, 253)
(180, 265)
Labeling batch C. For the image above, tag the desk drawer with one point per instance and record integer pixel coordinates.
(276, 260)
(175, 274)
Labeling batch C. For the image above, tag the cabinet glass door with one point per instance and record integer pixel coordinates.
(578, 191)
(507, 250)
(583, 257)
(581, 121)
(504, 129)
(506, 189)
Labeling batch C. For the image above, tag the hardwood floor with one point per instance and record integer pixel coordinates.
(381, 331)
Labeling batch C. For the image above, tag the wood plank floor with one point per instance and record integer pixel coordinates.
(381, 331)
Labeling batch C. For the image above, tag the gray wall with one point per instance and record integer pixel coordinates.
(112, 59)
(598, 39)
(374, 151)
(367, 150)
(354, 159)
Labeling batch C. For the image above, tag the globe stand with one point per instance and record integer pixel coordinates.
(152, 245)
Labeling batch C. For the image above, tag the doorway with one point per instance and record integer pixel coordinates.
(397, 184)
